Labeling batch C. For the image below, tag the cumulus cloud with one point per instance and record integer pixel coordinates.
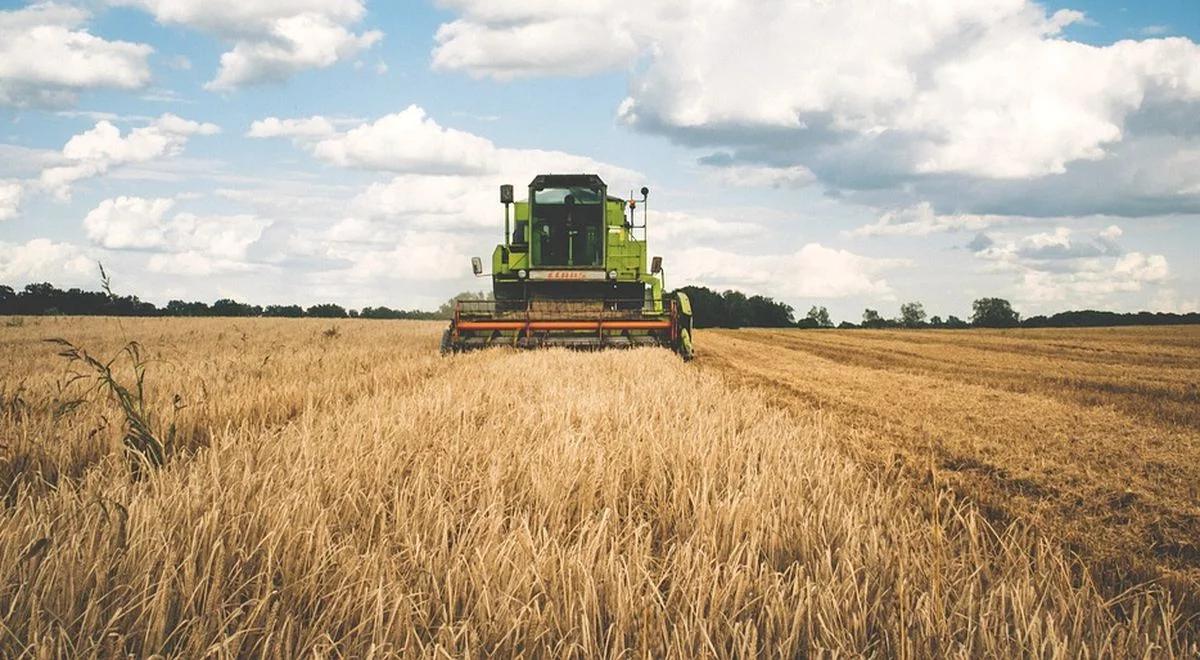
(538, 38)
(411, 255)
(443, 178)
(102, 147)
(271, 39)
(813, 271)
(410, 142)
(10, 199)
(128, 222)
(681, 228)
(1059, 244)
(186, 243)
(980, 243)
(922, 220)
(1138, 267)
(41, 260)
(864, 95)
(47, 57)
(725, 171)
(302, 129)
(1168, 299)
(1059, 265)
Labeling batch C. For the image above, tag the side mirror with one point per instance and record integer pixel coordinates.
(506, 194)
(656, 265)
(477, 265)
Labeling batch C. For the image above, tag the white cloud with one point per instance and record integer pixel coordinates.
(1057, 266)
(922, 220)
(271, 39)
(1138, 267)
(431, 213)
(195, 264)
(302, 129)
(1168, 299)
(1060, 244)
(813, 271)
(680, 227)
(754, 176)
(95, 151)
(413, 256)
(412, 143)
(982, 88)
(444, 178)
(432, 200)
(128, 222)
(41, 260)
(408, 141)
(46, 58)
(10, 199)
(581, 40)
(187, 243)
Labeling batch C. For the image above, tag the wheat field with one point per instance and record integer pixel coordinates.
(298, 487)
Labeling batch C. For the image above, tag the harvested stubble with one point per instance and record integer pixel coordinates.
(1092, 436)
(370, 498)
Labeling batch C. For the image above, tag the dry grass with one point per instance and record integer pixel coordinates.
(352, 493)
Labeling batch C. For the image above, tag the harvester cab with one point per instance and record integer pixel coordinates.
(572, 271)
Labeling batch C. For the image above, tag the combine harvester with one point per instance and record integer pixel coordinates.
(572, 272)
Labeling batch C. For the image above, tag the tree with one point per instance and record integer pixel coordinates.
(284, 311)
(737, 308)
(229, 307)
(872, 319)
(955, 323)
(708, 307)
(935, 321)
(182, 308)
(821, 316)
(389, 313)
(326, 311)
(912, 314)
(994, 313)
(733, 309)
(766, 313)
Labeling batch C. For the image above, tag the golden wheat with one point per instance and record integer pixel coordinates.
(353, 494)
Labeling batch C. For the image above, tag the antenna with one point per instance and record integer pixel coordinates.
(645, 206)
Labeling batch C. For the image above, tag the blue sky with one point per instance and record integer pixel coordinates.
(851, 156)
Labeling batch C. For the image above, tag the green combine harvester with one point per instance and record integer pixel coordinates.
(572, 272)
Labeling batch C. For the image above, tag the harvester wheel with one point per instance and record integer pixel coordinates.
(685, 345)
(447, 346)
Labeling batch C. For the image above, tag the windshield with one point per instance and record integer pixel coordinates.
(568, 227)
(559, 195)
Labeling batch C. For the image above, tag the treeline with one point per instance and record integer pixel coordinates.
(1091, 318)
(45, 299)
(998, 313)
(734, 309)
(728, 309)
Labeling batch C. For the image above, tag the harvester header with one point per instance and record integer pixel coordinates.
(572, 271)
